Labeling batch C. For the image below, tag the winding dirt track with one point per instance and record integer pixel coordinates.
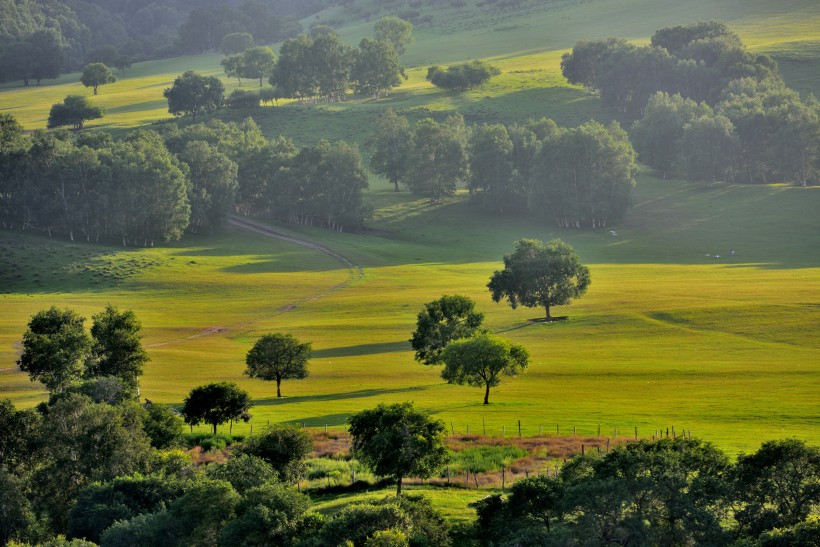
(355, 274)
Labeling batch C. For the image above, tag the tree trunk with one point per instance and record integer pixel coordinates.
(398, 485)
(278, 391)
(487, 395)
(549, 317)
(214, 429)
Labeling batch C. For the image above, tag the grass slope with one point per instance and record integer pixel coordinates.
(666, 336)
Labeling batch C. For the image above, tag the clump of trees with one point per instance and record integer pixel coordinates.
(194, 94)
(577, 177)
(75, 110)
(151, 187)
(463, 76)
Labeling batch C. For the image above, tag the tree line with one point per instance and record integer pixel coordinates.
(575, 177)
(710, 110)
(151, 186)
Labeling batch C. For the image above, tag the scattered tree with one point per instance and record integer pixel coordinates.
(278, 357)
(442, 321)
(480, 361)
(95, 75)
(55, 348)
(395, 31)
(121, 62)
(399, 441)
(194, 94)
(392, 142)
(75, 111)
(462, 77)
(117, 349)
(235, 42)
(216, 404)
(540, 275)
(284, 447)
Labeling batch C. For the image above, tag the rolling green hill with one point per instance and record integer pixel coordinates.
(667, 336)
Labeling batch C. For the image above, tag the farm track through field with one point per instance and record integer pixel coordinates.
(355, 274)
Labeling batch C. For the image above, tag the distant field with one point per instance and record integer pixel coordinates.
(527, 46)
(667, 336)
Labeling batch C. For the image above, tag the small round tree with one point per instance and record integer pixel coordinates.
(75, 110)
(95, 75)
(216, 404)
(480, 361)
(540, 275)
(284, 447)
(277, 357)
(399, 441)
(442, 321)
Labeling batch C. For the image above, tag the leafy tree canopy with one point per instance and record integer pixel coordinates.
(216, 404)
(442, 321)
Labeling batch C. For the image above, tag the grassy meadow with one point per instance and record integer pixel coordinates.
(667, 335)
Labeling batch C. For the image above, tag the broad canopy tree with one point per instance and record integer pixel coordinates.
(117, 349)
(395, 31)
(440, 322)
(97, 74)
(75, 110)
(278, 357)
(398, 440)
(540, 275)
(194, 94)
(392, 143)
(216, 404)
(481, 360)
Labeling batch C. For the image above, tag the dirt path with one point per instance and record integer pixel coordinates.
(355, 273)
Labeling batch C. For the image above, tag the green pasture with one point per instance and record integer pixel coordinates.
(723, 347)
(526, 45)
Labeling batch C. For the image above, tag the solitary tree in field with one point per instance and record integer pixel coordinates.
(540, 275)
(95, 75)
(399, 441)
(216, 404)
(442, 321)
(74, 111)
(480, 361)
(277, 357)
(55, 348)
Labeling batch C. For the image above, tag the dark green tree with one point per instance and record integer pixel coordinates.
(708, 148)
(117, 348)
(270, 514)
(398, 441)
(194, 94)
(43, 56)
(216, 404)
(540, 275)
(96, 74)
(481, 360)
(463, 76)
(257, 63)
(17, 518)
(214, 184)
(376, 68)
(75, 110)
(17, 436)
(392, 144)
(121, 62)
(55, 348)
(243, 472)
(235, 42)
(284, 447)
(438, 158)
(278, 357)
(442, 321)
(492, 168)
(163, 426)
(397, 32)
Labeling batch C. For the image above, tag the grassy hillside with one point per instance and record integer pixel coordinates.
(724, 347)
(667, 335)
(526, 45)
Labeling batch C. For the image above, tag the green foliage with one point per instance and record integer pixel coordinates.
(243, 472)
(163, 426)
(117, 348)
(278, 357)
(399, 441)
(481, 360)
(55, 348)
(216, 404)
(241, 99)
(397, 32)
(376, 68)
(540, 275)
(442, 321)
(804, 534)
(391, 141)
(271, 514)
(74, 111)
(484, 459)
(96, 74)
(194, 94)
(235, 42)
(492, 166)
(463, 76)
(284, 447)
(313, 67)
(214, 184)
(16, 515)
(17, 436)
(438, 158)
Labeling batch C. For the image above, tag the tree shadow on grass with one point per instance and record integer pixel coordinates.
(362, 393)
(362, 349)
(330, 420)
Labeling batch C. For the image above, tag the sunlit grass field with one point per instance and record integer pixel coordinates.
(726, 348)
